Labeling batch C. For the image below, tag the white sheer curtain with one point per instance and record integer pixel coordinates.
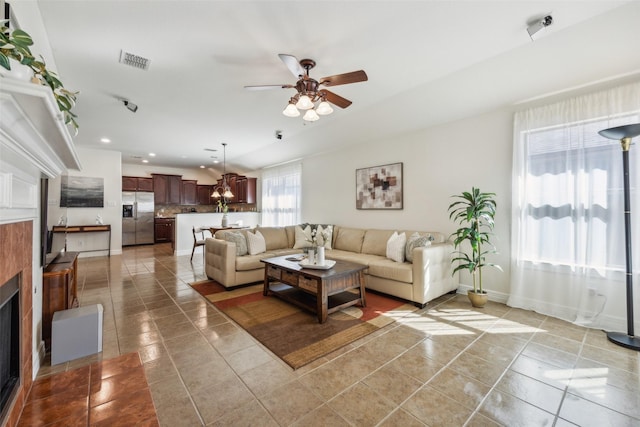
(568, 257)
(281, 189)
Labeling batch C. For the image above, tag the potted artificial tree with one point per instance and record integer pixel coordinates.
(14, 46)
(475, 213)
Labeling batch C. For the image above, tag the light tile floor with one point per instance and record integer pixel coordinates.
(445, 365)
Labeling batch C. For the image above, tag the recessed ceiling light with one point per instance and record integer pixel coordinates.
(152, 154)
(105, 140)
(145, 161)
(216, 161)
(201, 166)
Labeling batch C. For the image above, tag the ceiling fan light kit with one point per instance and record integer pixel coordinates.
(309, 92)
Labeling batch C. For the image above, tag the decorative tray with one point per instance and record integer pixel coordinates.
(328, 263)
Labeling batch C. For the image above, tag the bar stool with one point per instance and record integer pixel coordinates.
(198, 241)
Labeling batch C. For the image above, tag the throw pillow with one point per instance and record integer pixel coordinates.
(395, 246)
(302, 237)
(324, 235)
(256, 243)
(239, 240)
(415, 241)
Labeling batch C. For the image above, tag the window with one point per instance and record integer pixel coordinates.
(575, 193)
(281, 189)
(567, 229)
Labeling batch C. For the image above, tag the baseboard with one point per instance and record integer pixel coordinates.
(494, 296)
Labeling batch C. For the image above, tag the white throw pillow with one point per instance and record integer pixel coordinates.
(303, 237)
(395, 246)
(324, 236)
(256, 243)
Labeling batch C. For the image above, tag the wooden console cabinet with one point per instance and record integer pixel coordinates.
(60, 290)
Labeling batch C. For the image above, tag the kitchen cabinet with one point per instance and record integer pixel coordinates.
(246, 190)
(164, 230)
(134, 183)
(204, 194)
(167, 189)
(189, 192)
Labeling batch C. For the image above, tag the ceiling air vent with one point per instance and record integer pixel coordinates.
(134, 60)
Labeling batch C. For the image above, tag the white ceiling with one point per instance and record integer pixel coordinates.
(428, 62)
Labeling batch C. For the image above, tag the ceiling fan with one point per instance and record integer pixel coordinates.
(309, 91)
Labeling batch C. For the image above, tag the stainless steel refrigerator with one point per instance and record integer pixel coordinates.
(137, 218)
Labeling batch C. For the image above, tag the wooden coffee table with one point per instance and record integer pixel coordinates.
(320, 291)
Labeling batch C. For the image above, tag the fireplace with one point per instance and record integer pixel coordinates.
(9, 342)
(16, 282)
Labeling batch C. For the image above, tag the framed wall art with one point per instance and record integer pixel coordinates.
(81, 192)
(379, 187)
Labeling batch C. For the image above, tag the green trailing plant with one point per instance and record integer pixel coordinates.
(16, 46)
(475, 212)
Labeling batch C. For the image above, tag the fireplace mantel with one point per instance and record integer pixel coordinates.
(34, 142)
(33, 126)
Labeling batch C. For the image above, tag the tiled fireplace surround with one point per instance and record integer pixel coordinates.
(16, 257)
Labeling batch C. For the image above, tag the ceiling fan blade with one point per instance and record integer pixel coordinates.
(266, 87)
(292, 64)
(335, 99)
(346, 78)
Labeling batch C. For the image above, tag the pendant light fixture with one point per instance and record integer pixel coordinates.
(223, 190)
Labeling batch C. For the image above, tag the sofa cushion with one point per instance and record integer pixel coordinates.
(415, 241)
(349, 239)
(239, 239)
(396, 247)
(250, 262)
(375, 242)
(274, 237)
(256, 243)
(388, 269)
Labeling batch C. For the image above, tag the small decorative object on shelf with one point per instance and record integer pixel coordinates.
(62, 220)
(99, 220)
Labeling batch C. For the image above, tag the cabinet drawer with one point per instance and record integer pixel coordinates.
(273, 272)
(289, 278)
(310, 285)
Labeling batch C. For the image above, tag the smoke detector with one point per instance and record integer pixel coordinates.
(134, 60)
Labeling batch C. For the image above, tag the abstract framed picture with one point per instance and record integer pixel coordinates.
(81, 192)
(379, 187)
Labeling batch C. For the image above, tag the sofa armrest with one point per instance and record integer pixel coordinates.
(432, 272)
(220, 261)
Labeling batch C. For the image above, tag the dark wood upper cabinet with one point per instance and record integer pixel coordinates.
(204, 194)
(189, 192)
(134, 183)
(167, 189)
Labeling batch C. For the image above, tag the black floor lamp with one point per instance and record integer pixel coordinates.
(624, 134)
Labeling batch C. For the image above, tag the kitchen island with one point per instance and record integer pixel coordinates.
(186, 221)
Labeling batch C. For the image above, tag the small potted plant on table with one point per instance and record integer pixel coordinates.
(475, 212)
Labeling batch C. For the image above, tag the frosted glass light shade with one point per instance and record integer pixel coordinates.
(311, 116)
(304, 103)
(324, 108)
(291, 111)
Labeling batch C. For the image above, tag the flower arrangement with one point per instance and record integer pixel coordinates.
(325, 234)
(222, 205)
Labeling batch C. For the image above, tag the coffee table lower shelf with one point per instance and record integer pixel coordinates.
(309, 301)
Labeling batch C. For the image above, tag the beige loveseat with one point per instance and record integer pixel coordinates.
(426, 278)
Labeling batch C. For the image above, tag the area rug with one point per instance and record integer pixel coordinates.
(293, 334)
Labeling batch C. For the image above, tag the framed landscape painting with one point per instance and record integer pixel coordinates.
(379, 187)
(81, 192)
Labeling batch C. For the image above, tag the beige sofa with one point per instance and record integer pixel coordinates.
(426, 278)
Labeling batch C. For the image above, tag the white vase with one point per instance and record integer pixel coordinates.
(225, 220)
(320, 255)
